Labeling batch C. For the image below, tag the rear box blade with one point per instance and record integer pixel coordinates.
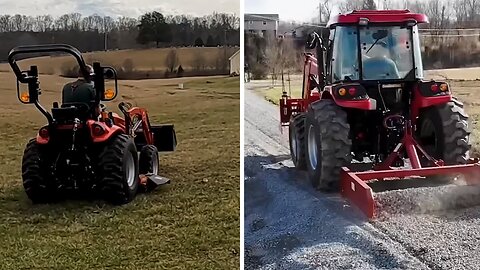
(151, 181)
(354, 185)
(157, 180)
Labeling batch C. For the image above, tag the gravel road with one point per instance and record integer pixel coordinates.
(288, 225)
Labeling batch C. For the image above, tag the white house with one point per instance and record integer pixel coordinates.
(261, 24)
(235, 63)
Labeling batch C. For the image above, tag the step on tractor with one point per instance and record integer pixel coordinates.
(367, 114)
(85, 149)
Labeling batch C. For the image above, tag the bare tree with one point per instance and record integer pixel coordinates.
(369, 4)
(393, 4)
(272, 55)
(75, 20)
(326, 7)
(347, 5)
(172, 60)
(5, 23)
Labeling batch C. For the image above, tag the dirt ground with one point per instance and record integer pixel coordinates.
(147, 59)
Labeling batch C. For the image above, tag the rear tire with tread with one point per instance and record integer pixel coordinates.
(444, 133)
(116, 162)
(327, 124)
(36, 174)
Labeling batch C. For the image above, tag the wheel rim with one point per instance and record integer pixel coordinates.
(155, 165)
(294, 142)
(130, 170)
(312, 147)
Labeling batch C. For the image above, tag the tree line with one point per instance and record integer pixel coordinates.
(94, 32)
(442, 13)
(442, 46)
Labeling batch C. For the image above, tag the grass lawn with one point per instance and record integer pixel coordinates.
(191, 224)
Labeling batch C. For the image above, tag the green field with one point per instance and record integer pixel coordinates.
(191, 224)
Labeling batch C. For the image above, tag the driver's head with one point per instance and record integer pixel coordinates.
(89, 71)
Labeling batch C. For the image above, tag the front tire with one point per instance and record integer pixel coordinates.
(297, 141)
(36, 174)
(328, 145)
(118, 170)
(149, 160)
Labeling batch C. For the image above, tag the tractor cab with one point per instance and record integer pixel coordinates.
(371, 47)
(375, 53)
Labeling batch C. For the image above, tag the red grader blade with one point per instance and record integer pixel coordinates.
(354, 185)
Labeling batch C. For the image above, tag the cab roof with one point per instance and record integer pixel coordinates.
(377, 16)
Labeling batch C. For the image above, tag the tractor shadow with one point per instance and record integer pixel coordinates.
(15, 204)
(289, 224)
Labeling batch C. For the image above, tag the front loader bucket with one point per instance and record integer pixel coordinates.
(354, 185)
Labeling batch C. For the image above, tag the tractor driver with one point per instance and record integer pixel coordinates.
(81, 91)
(378, 64)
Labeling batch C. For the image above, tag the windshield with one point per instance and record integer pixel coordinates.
(386, 53)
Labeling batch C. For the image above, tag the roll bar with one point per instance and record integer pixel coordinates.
(48, 48)
(30, 77)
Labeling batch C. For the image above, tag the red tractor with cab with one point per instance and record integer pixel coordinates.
(367, 113)
(82, 150)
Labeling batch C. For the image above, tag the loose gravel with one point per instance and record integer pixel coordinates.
(424, 200)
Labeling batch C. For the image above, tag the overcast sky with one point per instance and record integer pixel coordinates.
(131, 8)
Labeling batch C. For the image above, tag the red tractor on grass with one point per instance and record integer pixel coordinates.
(82, 151)
(365, 104)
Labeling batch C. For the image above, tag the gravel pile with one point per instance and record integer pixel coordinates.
(426, 199)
